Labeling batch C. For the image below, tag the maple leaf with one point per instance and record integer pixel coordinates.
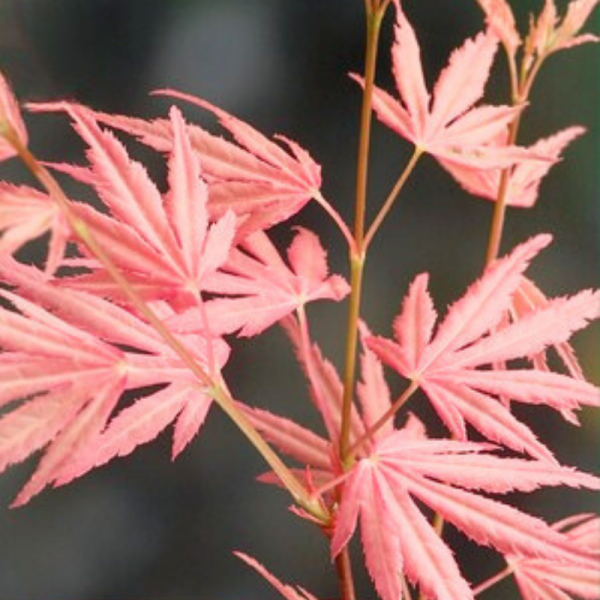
(26, 214)
(501, 21)
(63, 369)
(525, 176)
(257, 179)
(547, 35)
(397, 537)
(11, 121)
(448, 126)
(265, 288)
(285, 590)
(163, 245)
(445, 365)
(543, 579)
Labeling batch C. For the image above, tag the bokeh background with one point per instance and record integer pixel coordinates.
(143, 528)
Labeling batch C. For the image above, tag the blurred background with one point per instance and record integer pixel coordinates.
(142, 528)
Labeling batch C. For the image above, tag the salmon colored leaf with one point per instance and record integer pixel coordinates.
(258, 180)
(11, 121)
(543, 579)
(448, 127)
(285, 590)
(525, 177)
(446, 366)
(26, 214)
(161, 244)
(500, 20)
(258, 288)
(439, 473)
(63, 369)
(549, 34)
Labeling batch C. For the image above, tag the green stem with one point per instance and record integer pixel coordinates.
(223, 399)
(357, 255)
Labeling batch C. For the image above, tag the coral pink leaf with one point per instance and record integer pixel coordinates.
(189, 219)
(373, 391)
(124, 185)
(489, 522)
(381, 543)
(266, 289)
(259, 145)
(413, 328)
(542, 578)
(408, 73)
(132, 427)
(462, 82)
(526, 176)
(285, 590)
(291, 438)
(26, 214)
(11, 122)
(553, 324)
(482, 307)
(451, 128)
(501, 21)
(428, 561)
(73, 437)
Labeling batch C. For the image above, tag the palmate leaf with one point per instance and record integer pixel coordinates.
(63, 369)
(258, 180)
(447, 126)
(257, 288)
(526, 176)
(286, 591)
(541, 579)
(26, 214)
(446, 365)
(163, 245)
(11, 121)
(439, 473)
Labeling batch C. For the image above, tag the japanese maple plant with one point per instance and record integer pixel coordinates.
(155, 283)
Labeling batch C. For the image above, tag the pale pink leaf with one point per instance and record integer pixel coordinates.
(501, 21)
(408, 73)
(265, 288)
(285, 590)
(26, 214)
(11, 121)
(413, 327)
(373, 391)
(461, 83)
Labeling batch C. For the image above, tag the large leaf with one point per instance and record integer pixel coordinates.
(67, 357)
(451, 367)
(398, 539)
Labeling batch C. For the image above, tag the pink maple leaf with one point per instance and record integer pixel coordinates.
(445, 365)
(501, 21)
(26, 214)
(396, 536)
(543, 579)
(286, 591)
(447, 126)
(262, 183)
(63, 369)
(262, 289)
(525, 177)
(547, 35)
(11, 122)
(164, 245)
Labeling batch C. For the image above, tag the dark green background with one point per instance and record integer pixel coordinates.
(144, 529)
